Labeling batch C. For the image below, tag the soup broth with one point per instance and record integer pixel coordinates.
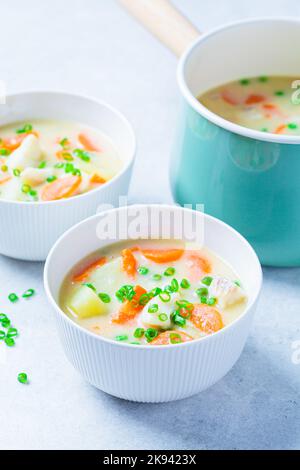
(266, 104)
(156, 293)
(49, 160)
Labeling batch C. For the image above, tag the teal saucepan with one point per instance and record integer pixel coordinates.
(248, 178)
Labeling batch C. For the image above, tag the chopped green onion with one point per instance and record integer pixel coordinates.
(12, 333)
(174, 285)
(264, 129)
(28, 293)
(3, 317)
(64, 142)
(207, 280)
(23, 130)
(178, 319)
(4, 152)
(164, 297)
(212, 301)
(169, 271)
(143, 270)
(157, 277)
(52, 178)
(42, 164)
(82, 154)
(26, 188)
(202, 291)
(59, 165)
(22, 378)
(244, 81)
(203, 299)
(89, 285)
(104, 297)
(126, 292)
(185, 284)
(139, 332)
(69, 167)
(2, 334)
(144, 299)
(9, 342)
(13, 297)
(185, 304)
(67, 156)
(76, 172)
(237, 283)
(5, 323)
(263, 79)
(279, 93)
(121, 338)
(153, 308)
(16, 172)
(150, 334)
(292, 125)
(163, 317)
(175, 338)
(32, 193)
(156, 291)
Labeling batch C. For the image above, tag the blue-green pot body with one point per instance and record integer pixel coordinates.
(253, 185)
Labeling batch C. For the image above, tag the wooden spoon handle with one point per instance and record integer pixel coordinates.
(164, 21)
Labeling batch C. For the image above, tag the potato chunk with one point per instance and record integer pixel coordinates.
(86, 303)
(227, 292)
(27, 155)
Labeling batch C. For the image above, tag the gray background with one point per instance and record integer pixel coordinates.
(92, 47)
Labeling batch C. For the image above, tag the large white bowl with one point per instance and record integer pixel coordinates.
(153, 373)
(29, 229)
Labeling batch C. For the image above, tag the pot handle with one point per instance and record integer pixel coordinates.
(164, 21)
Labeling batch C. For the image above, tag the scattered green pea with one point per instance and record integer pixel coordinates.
(143, 270)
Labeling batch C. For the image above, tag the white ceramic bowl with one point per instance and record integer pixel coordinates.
(153, 373)
(29, 229)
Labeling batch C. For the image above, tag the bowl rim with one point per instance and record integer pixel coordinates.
(114, 343)
(213, 117)
(113, 180)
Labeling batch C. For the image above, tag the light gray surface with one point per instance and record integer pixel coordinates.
(91, 46)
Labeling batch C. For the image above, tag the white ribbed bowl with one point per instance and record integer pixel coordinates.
(29, 229)
(153, 373)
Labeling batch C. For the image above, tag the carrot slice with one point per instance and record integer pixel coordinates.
(4, 178)
(171, 337)
(197, 264)
(229, 97)
(207, 318)
(61, 188)
(253, 99)
(129, 263)
(130, 308)
(280, 129)
(14, 142)
(87, 271)
(163, 256)
(97, 179)
(87, 144)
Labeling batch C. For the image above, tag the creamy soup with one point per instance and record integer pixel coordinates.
(49, 160)
(266, 104)
(155, 293)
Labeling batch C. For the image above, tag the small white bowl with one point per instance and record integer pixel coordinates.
(153, 373)
(29, 229)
